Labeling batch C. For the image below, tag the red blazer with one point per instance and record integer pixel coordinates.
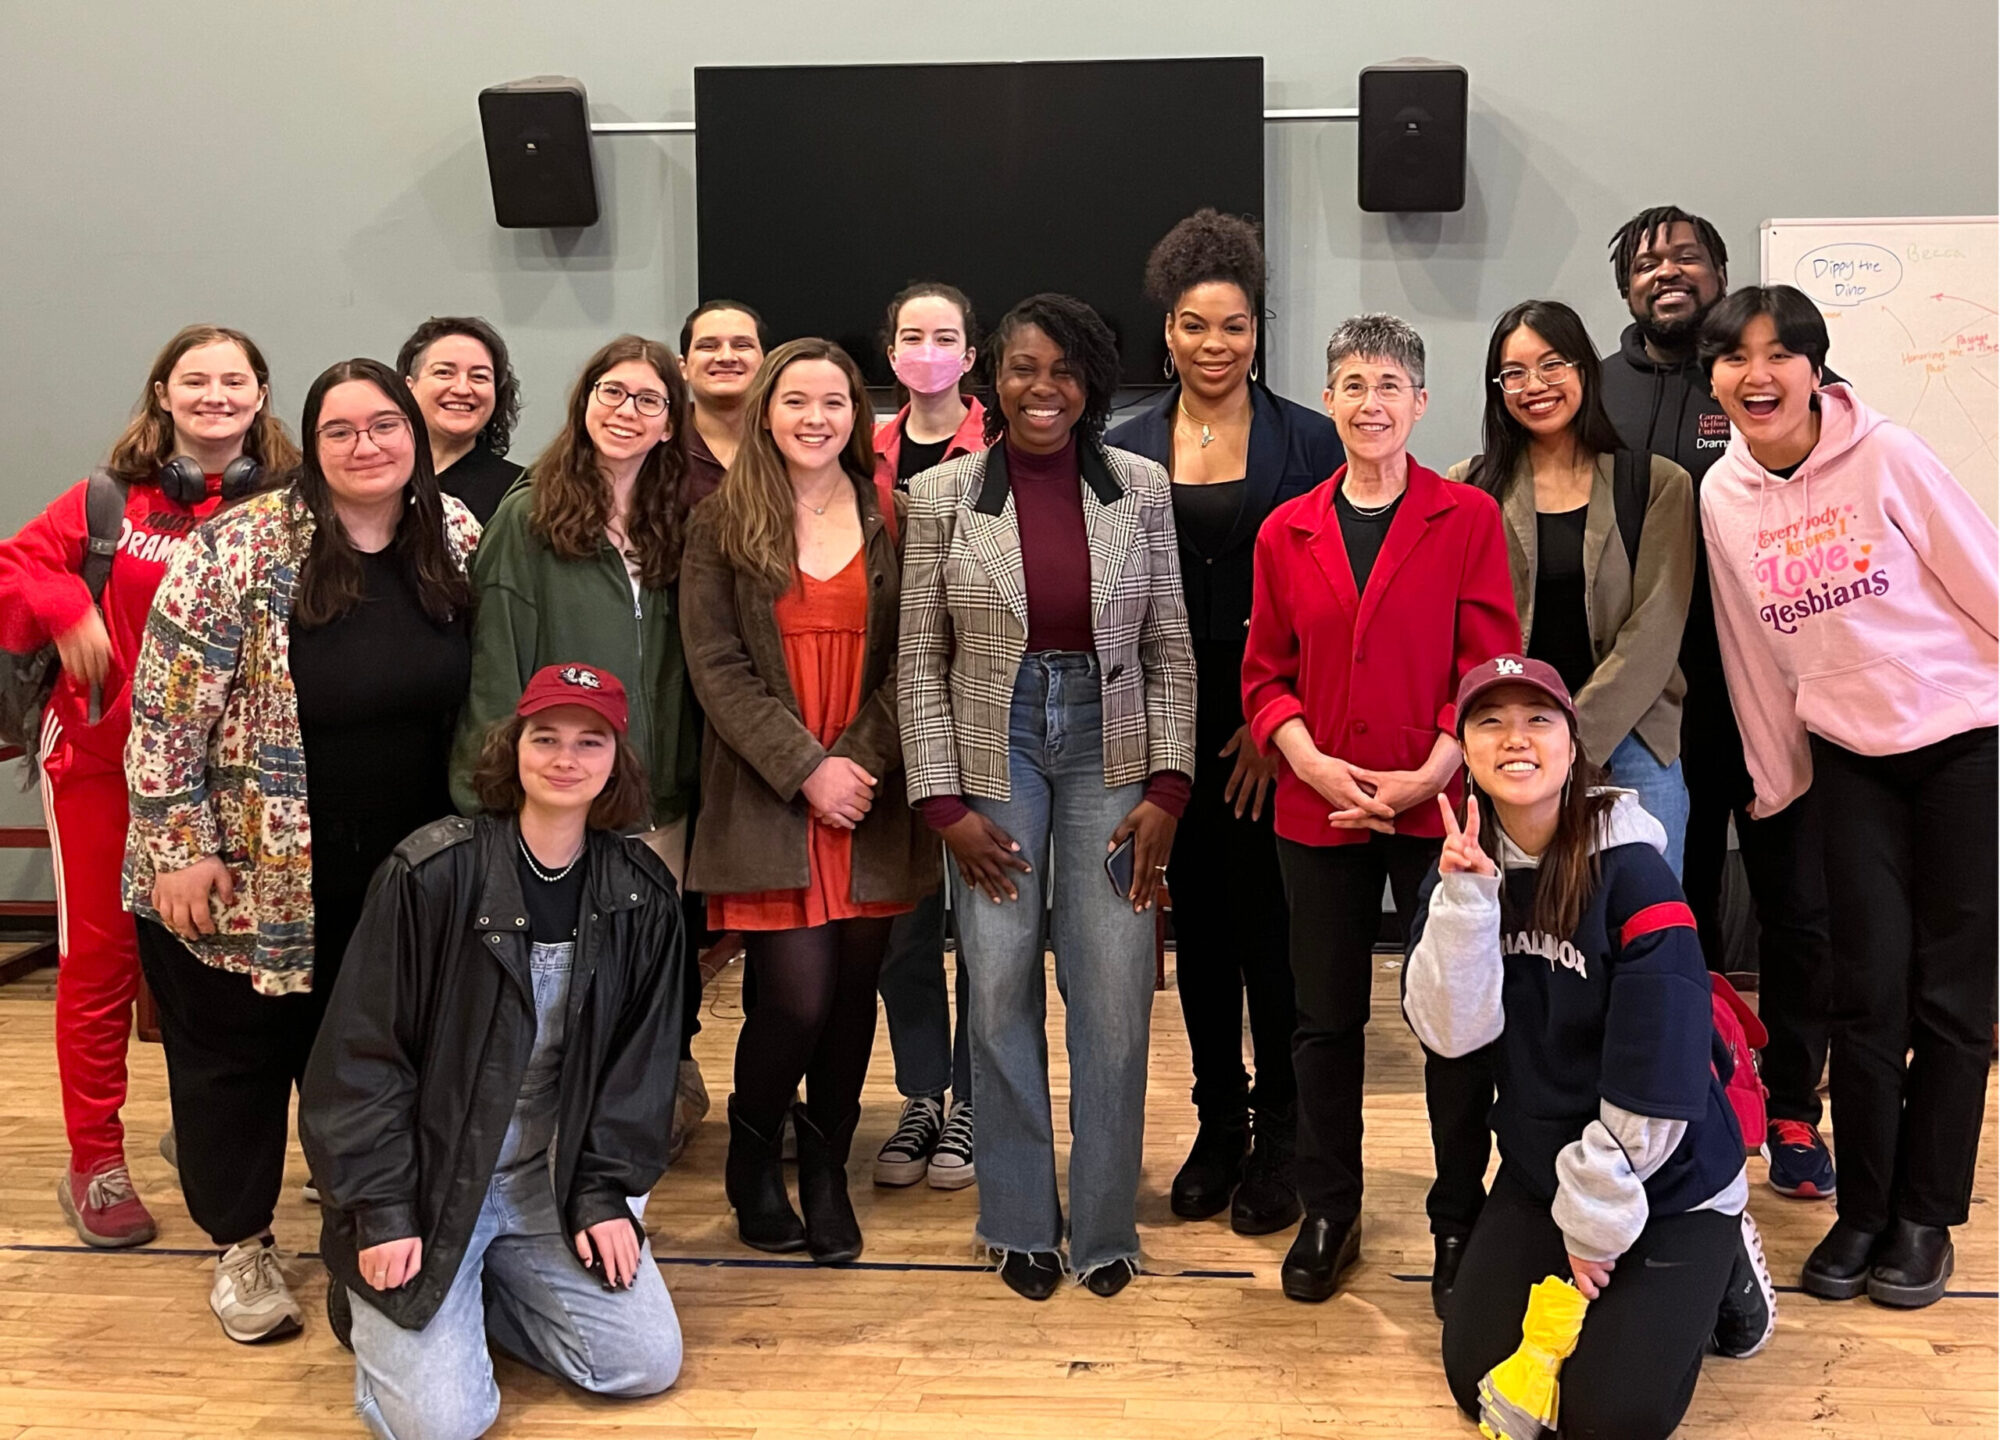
(1373, 675)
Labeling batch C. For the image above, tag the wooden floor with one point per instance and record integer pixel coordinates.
(921, 1339)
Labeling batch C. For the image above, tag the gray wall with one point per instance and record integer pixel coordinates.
(313, 173)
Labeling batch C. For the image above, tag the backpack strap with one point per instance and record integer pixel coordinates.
(104, 511)
(1631, 492)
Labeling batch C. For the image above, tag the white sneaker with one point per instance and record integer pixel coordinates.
(951, 1165)
(907, 1153)
(250, 1296)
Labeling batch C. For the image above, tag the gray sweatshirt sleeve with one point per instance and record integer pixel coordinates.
(1451, 990)
(1600, 1203)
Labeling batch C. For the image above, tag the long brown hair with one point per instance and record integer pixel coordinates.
(330, 581)
(572, 501)
(147, 442)
(1568, 872)
(496, 780)
(754, 526)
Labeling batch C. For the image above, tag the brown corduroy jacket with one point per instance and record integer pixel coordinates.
(756, 753)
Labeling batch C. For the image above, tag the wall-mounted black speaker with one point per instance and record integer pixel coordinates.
(1413, 136)
(538, 153)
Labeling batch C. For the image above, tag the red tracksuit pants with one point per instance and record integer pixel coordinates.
(85, 805)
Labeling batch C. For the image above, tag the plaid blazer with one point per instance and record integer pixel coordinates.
(965, 623)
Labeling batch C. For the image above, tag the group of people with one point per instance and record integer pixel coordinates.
(426, 778)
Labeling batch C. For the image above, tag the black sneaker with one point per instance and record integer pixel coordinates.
(1749, 1313)
(1268, 1199)
(907, 1154)
(952, 1166)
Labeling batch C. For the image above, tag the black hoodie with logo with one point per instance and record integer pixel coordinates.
(1667, 410)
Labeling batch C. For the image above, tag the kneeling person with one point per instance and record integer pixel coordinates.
(514, 990)
(1562, 940)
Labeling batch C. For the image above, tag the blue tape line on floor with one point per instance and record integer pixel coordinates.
(725, 1262)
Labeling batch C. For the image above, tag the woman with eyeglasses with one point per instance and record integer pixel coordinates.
(578, 565)
(292, 711)
(1601, 543)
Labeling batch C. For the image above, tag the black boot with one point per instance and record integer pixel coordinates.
(1268, 1199)
(1214, 1167)
(1911, 1266)
(833, 1235)
(1447, 1251)
(1837, 1269)
(1323, 1249)
(753, 1177)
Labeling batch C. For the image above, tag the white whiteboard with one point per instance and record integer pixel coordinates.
(1913, 310)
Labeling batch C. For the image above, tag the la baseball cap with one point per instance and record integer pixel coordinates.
(1512, 670)
(573, 684)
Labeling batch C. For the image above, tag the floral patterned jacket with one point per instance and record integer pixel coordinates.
(215, 762)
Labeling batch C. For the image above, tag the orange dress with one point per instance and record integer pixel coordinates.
(824, 627)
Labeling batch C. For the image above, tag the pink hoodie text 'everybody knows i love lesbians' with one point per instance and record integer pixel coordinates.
(1857, 600)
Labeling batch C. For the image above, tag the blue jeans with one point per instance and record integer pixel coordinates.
(930, 1056)
(1661, 791)
(520, 1283)
(1104, 970)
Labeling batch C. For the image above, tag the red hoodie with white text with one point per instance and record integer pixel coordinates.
(42, 594)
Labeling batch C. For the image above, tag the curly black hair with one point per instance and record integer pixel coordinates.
(1207, 246)
(1085, 341)
(498, 432)
(1641, 228)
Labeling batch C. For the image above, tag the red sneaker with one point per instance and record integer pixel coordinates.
(104, 1209)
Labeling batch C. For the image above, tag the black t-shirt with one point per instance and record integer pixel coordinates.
(553, 905)
(1363, 534)
(378, 693)
(1562, 627)
(1204, 515)
(479, 478)
(916, 457)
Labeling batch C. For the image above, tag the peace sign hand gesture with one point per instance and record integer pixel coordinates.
(1462, 853)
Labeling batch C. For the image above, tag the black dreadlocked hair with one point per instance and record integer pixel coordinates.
(1634, 233)
(1085, 341)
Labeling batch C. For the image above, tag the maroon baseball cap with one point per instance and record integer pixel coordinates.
(1512, 670)
(584, 685)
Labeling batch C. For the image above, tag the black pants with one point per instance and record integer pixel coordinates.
(1229, 919)
(1335, 895)
(1639, 1354)
(1782, 861)
(233, 1057)
(813, 1019)
(1910, 860)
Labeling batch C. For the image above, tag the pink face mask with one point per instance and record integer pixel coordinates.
(929, 369)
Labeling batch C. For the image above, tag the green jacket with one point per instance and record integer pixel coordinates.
(537, 609)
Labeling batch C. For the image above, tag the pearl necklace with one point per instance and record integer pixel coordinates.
(548, 877)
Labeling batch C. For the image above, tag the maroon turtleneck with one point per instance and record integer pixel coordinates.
(1055, 548)
(1055, 565)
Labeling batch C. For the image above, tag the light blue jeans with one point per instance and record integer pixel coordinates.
(1661, 791)
(520, 1284)
(1104, 970)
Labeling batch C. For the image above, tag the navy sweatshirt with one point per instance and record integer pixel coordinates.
(1605, 1038)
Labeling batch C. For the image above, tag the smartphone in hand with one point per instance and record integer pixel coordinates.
(1118, 865)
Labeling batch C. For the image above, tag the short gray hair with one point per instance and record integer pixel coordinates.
(1377, 336)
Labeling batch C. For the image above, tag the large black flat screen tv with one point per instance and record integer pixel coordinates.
(823, 190)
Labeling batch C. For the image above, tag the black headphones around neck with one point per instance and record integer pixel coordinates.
(182, 479)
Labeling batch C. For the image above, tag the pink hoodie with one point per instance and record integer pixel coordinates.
(1858, 601)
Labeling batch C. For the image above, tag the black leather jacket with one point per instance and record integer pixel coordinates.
(427, 1034)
